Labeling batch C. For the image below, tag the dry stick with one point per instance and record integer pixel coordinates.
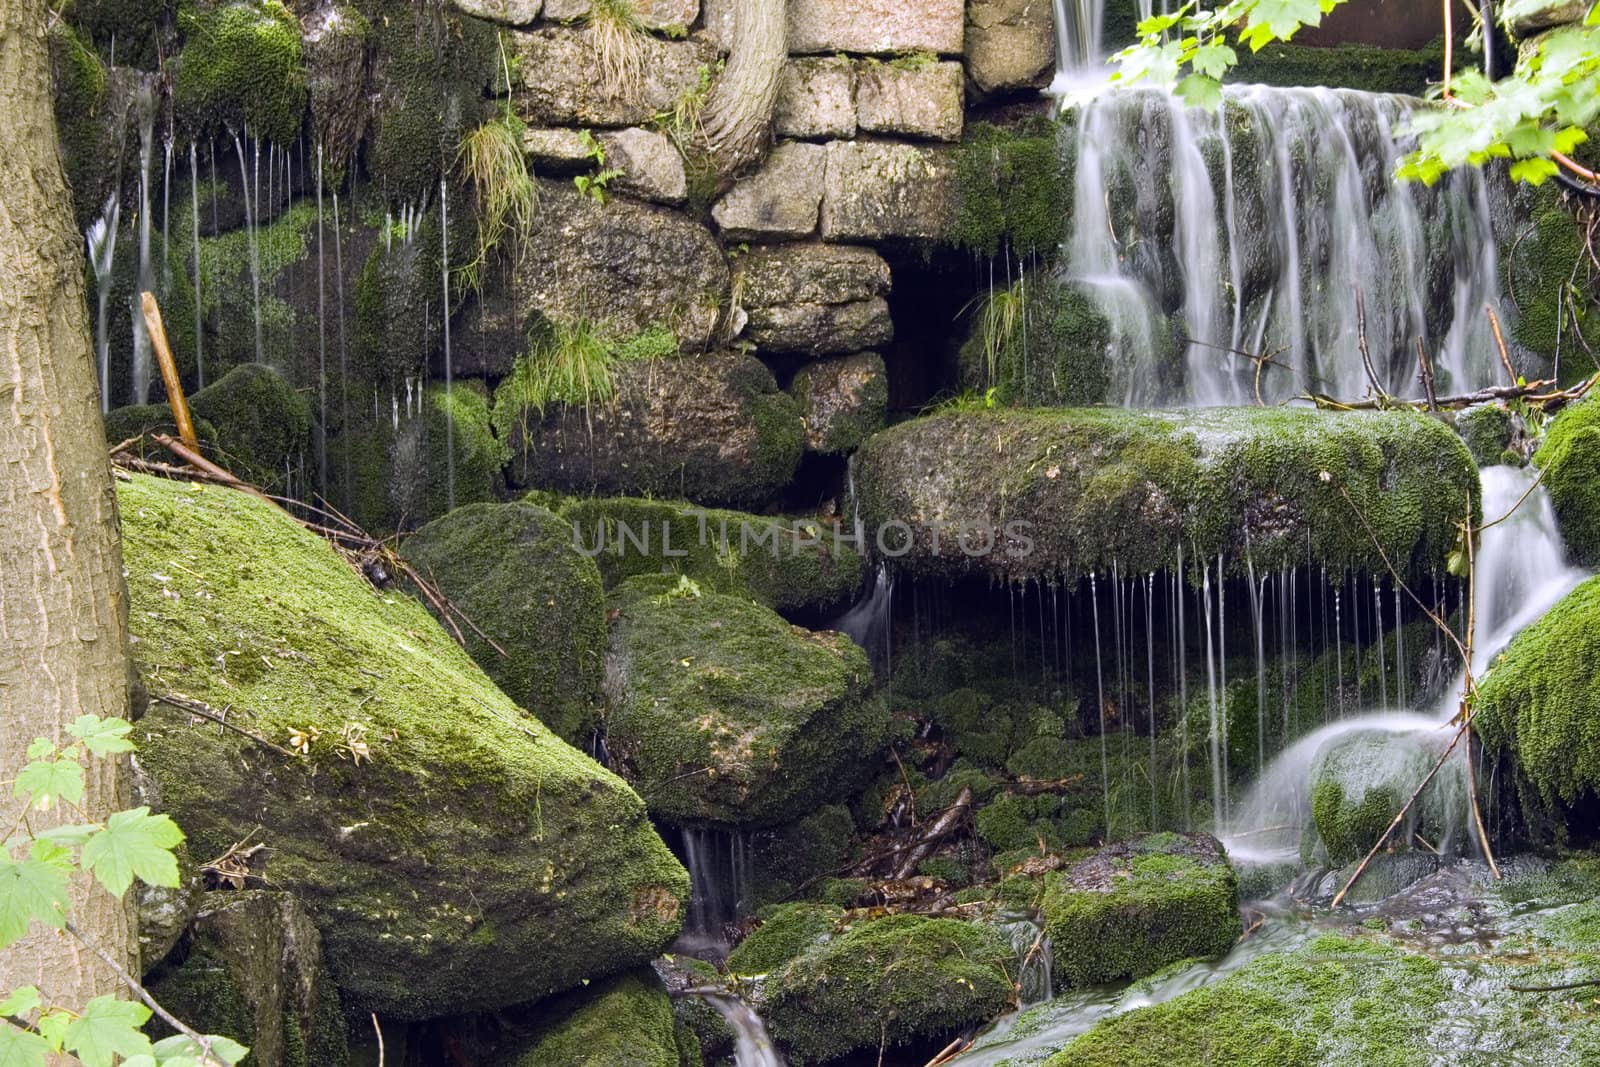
(196, 460)
(936, 833)
(379, 1031)
(195, 707)
(1528, 391)
(1425, 373)
(1553, 988)
(142, 993)
(1500, 343)
(949, 1052)
(1471, 687)
(169, 369)
(1361, 344)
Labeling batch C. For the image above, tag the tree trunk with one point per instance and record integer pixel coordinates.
(63, 602)
(738, 115)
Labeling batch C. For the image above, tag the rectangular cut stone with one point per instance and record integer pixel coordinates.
(778, 201)
(878, 190)
(816, 98)
(914, 101)
(812, 273)
(563, 83)
(875, 26)
(1011, 44)
(653, 14)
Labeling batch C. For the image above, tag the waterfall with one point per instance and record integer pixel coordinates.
(1078, 26)
(101, 239)
(719, 876)
(1521, 571)
(139, 387)
(450, 418)
(867, 621)
(250, 226)
(322, 345)
(1250, 248)
(753, 1046)
(199, 309)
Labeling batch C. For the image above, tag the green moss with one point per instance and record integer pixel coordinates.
(1570, 460)
(1051, 352)
(1347, 66)
(148, 419)
(625, 1020)
(1488, 430)
(722, 712)
(79, 84)
(1093, 487)
(733, 552)
(241, 70)
(139, 28)
(1537, 267)
(786, 932)
(1011, 189)
(263, 425)
(1139, 905)
(888, 981)
(788, 859)
(1540, 702)
(470, 860)
(513, 571)
(1337, 1001)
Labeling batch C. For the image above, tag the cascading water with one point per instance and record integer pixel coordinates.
(719, 873)
(753, 1046)
(1521, 572)
(145, 104)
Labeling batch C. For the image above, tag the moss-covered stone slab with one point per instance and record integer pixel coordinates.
(516, 574)
(721, 712)
(1045, 494)
(241, 69)
(714, 428)
(1138, 905)
(797, 567)
(1540, 702)
(1570, 459)
(625, 1020)
(456, 855)
(1360, 781)
(253, 971)
(888, 982)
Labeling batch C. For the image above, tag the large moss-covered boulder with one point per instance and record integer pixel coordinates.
(252, 970)
(796, 567)
(713, 428)
(722, 712)
(263, 425)
(1138, 905)
(888, 982)
(1360, 781)
(627, 1019)
(514, 572)
(1035, 494)
(456, 855)
(786, 932)
(1540, 702)
(1570, 459)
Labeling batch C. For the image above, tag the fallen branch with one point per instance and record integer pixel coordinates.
(1425, 375)
(1554, 988)
(1526, 391)
(196, 708)
(1361, 344)
(936, 832)
(1500, 343)
(950, 1052)
(169, 369)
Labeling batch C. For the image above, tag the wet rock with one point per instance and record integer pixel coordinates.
(886, 982)
(1570, 459)
(1388, 873)
(878, 190)
(722, 712)
(1359, 783)
(335, 42)
(911, 99)
(263, 424)
(875, 26)
(1136, 906)
(652, 14)
(564, 83)
(816, 98)
(1531, 19)
(627, 1019)
(622, 267)
(253, 971)
(1488, 430)
(514, 570)
(651, 167)
(713, 428)
(844, 401)
(779, 201)
(508, 12)
(787, 931)
(558, 150)
(455, 855)
(1011, 44)
(816, 299)
(820, 329)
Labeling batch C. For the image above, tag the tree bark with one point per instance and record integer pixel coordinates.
(63, 601)
(738, 114)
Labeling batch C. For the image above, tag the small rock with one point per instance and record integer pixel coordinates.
(816, 299)
(915, 100)
(779, 201)
(653, 14)
(816, 98)
(651, 167)
(1011, 44)
(877, 190)
(875, 26)
(821, 329)
(507, 12)
(844, 401)
(556, 151)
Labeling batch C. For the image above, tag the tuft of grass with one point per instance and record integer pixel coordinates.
(506, 197)
(619, 40)
(1003, 314)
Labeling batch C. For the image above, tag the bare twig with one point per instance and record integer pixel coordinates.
(195, 707)
(142, 993)
(1500, 343)
(1425, 375)
(379, 1031)
(1361, 344)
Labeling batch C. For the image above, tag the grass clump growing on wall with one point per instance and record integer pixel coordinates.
(569, 363)
(491, 159)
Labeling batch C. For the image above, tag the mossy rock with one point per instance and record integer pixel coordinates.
(1338, 1000)
(1570, 459)
(797, 567)
(1488, 430)
(241, 69)
(1537, 266)
(786, 932)
(1347, 66)
(890, 981)
(1138, 905)
(263, 425)
(78, 82)
(713, 428)
(1046, 494)
(1540, 701)
(627, 1019)
(470, 860)
(253, 971)
(1014, 191)
(513, 571)
(148, 419)
(722, 712)
(140, 29)
(1358, 784)
(784, 861)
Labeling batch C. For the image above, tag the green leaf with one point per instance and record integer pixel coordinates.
(107, 1028)
(1533, 171)
(176, 1050)
(1280, 18)
(1197, 90)
(102, 737)
(19, 1048)
(52, 1026)
(33, 890)
(134, 843)
(1214, 60)
(24, 1000)
(69, 836)
(41, 747)
(44, 782)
